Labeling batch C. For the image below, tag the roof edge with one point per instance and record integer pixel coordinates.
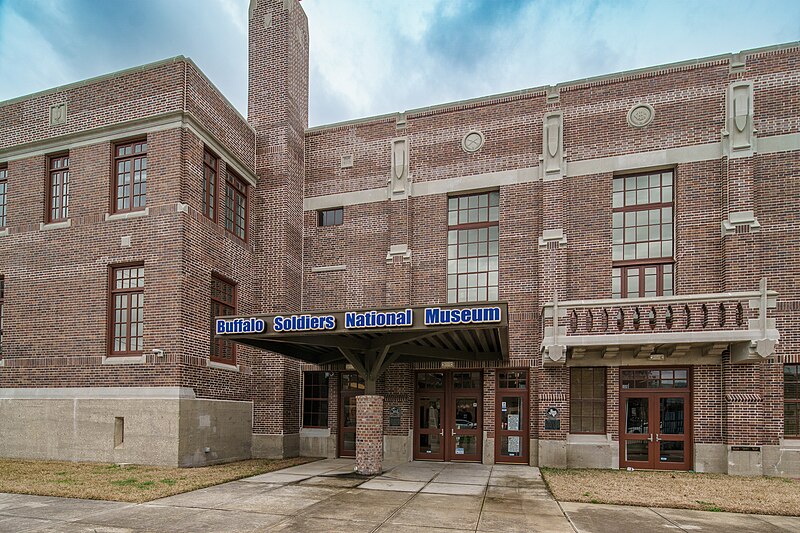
(521, 93)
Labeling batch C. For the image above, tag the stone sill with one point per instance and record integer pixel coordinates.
(56, 225)
(577, 438)
(315, 432)
(126, 216)
(791, 444)
(4, 232)
(222, 366)
(124, 360)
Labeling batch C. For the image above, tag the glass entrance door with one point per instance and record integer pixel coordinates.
(512, 417)
(352, 385)
(447, 416)
(655, 422)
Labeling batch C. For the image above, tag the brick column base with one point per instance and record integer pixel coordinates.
(369, 434)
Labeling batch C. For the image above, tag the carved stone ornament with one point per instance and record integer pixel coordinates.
(641, 115)
(472, 141)
(553, 163)
(58, 114)
(739, 136)
(398, 177)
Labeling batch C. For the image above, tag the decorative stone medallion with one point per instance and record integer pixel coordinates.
(58, 114)
(472, 141)
(641, 115)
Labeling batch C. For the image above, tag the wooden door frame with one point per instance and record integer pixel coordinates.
(653, 395)
(524, 457)
(340, 421)
(448, 421)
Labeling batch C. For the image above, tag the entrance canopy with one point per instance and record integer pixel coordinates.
(373, 339)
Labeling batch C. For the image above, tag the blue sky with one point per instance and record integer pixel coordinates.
(370, 57)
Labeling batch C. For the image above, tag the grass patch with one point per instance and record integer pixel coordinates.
(680, 490)
(125, 483)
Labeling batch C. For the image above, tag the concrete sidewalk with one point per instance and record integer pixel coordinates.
(325, 496)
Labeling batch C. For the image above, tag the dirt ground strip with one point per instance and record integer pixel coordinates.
(125, 483)
(683, 490)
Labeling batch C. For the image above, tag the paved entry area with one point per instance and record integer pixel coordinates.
(320, 497)
(325, 497)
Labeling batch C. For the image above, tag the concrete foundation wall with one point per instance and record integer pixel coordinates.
(170, 432)
(553, 453)
(317, 443)
(711, 458)
(397, 449)
(783, 460)
(592, 451)
(214, 431)
(275, 446)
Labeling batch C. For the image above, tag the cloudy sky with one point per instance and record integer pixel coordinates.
(370, 57)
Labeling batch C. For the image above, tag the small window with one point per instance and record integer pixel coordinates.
(791, 400)
(315, 399)
(130, 176)
(3, 194)
(587, 401)
(127, 310)
(515, 379)
(223, 303)
(236, 206)
(210, 170)
(331, 217)
(58, 188)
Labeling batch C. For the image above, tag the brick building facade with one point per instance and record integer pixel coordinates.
(641, 227)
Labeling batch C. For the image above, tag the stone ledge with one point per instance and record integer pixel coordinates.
(56, 225)
(124, 360)
(222, 366)
(126, 216)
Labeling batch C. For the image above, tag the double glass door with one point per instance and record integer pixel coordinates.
(655, 420)
(447, 416)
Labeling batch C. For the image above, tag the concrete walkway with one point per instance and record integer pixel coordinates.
(325, 497)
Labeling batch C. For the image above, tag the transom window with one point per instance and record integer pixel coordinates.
(210, 166)
(223, 303)
(3, 194)
(472, 247)
(791, 399)
(330, 217)
(654, 379)
(643, 235)
(315, 399)
(236, 206)
(130, 162)
(587, 400)
(127, 312)
(516, 379)
(58, 190)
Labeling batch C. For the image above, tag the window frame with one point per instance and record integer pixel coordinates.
(655, 262)
(794, 401)
(323, 214)
(63, 209)
(457, 228)
(210, 191)
(326, 399)
(240, 188)
(115, 160)
(590, 400)
(217, 342)
(2, 308)
(4, 195)
(111, 293)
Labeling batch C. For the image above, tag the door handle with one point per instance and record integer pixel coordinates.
(452, 432)
(441, 432)
(650, 438)
(658, 437)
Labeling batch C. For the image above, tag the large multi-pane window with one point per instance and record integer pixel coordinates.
(210, 170)
(223, 303)
(791, 400)
(2, 310)
(587, 400)
(3, 194)
(236, 206)
(472, 247)
(58, 188)
(127, 309)
(643, 235)
(315, 399)
(130, 176)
